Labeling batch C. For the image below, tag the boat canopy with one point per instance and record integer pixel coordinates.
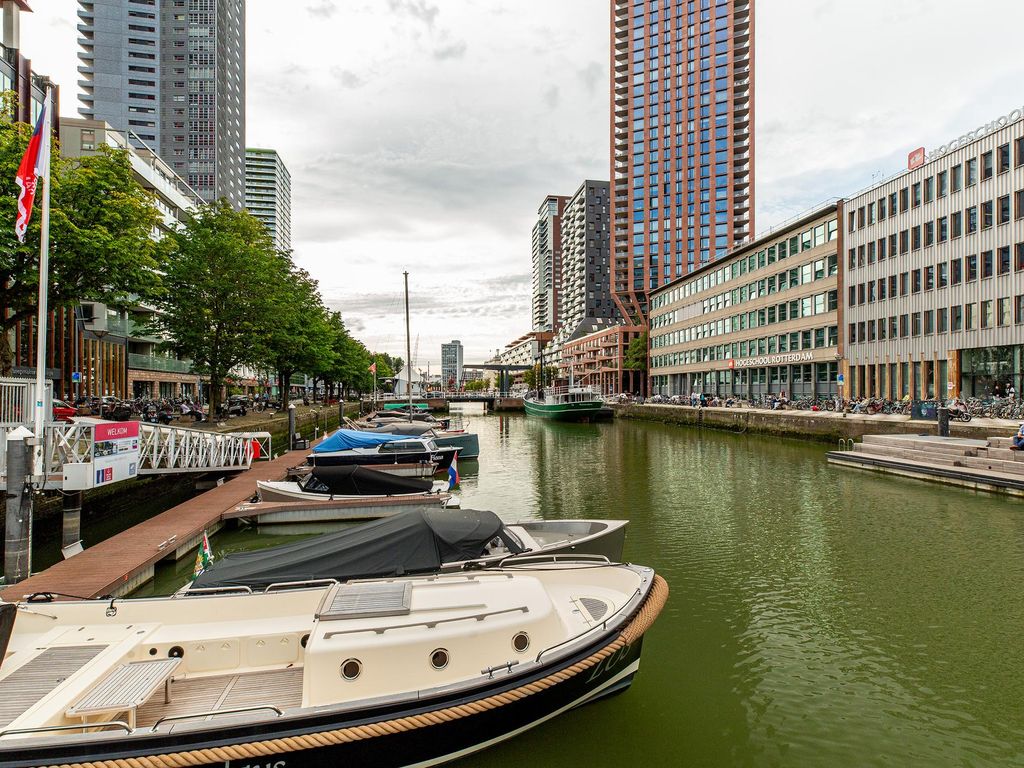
(347, 439)
(356, 480)
(407, 543)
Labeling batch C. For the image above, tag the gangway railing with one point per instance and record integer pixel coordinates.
(162, 449)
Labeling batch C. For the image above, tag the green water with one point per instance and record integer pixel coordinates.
(819, 617)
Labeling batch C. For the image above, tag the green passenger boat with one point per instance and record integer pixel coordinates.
(564, 404)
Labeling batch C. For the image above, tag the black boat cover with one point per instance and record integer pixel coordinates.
(407, 543)
(354, 480)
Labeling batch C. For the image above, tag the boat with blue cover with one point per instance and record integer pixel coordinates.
(350, 446)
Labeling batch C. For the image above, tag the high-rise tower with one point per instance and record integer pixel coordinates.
(682, 160)
(172, 73)
(547, 262)
(268, 194)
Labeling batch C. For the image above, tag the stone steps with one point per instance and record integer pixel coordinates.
(929, 446)
(909, 454)
(1003, 454)
(996, 465)
(1000, 442)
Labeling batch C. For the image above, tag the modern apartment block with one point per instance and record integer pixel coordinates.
(585, 302)
(763, 319)
(132, 362)
(451, 364)
(682, 159)
(596, 359)
(547, 262)
(268, 194)
(171, 72)
(935, 272)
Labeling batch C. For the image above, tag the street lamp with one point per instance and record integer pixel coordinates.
(99, 334)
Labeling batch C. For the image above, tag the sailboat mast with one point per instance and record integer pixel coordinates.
(408, 344)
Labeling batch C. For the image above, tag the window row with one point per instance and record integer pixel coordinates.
(991, 313)
(797, 341)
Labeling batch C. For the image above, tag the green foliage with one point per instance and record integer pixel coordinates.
(636, 354)
(100, 225)
(533, 375)
(221, 304)
(476, 386)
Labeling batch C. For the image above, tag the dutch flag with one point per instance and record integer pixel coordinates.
(453, 473)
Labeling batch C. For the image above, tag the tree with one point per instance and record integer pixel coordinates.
(636, 356)
(221, 278)
(477, 385)
(100, 224)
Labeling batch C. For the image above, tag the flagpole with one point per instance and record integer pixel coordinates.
(44, 285)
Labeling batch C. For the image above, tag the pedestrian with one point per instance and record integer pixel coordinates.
(1018, 439)
(1012, 393)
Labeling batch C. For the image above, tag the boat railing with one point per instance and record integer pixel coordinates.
(573, 390)
(277, 585)
(516, 561)
(73, 727)
(239, 589)
(429, 623)
(217, 713)
(602, 626)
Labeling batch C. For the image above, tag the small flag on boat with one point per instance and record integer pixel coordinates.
(453, 472)
(203, 557)
(29, 171)
(373, 368)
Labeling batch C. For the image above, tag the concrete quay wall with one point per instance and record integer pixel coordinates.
(822, 426)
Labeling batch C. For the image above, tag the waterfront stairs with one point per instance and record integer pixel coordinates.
(983, 464)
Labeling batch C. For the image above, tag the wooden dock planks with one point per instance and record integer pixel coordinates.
(103, 568)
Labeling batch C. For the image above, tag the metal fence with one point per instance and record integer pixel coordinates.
(17, 402)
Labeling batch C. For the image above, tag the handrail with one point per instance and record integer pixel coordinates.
(428, 624)
(588, 630)
(215, 712)
(45, 728)
(553, 558)
(214, 590)
(295, 584)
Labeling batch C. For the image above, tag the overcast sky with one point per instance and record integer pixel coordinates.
(422, 135)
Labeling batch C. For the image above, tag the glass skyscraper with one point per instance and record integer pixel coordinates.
(682, 159)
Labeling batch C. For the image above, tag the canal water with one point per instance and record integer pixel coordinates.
(818, 617)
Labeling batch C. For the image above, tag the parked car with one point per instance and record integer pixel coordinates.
(235, 405)
(63, 411)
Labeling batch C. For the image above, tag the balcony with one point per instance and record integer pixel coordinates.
(158, 363)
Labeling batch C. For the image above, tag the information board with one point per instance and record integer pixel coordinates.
(115, 452)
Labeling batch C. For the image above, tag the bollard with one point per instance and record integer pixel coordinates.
(291, 426)
(943, 421)
(72, 533)
(17, 536)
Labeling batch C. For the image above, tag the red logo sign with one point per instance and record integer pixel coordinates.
(732, 363)
(915, 159)
(116, 430)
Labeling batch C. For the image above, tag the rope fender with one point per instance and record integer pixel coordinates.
(640, 623)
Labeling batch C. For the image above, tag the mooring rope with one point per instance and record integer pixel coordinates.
(640, 623)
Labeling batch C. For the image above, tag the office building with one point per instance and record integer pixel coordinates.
(547, 262)
(585, 301)
(113, 351)
(935, 272)
(451, 364)
(172, 72)
(268, 194)
(682, 159)
(762, 319)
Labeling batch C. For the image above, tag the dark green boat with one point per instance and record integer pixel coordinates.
(564, 404)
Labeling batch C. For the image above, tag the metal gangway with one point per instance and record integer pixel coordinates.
(162, 449)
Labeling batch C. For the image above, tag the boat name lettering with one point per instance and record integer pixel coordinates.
(791, 357)
(607, 665)
(278, 764)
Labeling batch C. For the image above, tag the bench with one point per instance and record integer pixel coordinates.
(126, 689)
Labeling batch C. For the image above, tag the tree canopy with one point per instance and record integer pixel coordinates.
(101, 221)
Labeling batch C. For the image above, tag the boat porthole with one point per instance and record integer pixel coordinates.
(304, 640)
(152, 651)
(176, 652)
(350, 668)
(520, 641)
(439, 658)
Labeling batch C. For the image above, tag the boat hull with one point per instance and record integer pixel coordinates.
(348, 510)
(586, 410)
(407, 741)
(443, 458)
(468, 444)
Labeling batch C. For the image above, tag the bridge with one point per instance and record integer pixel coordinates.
(162, 450)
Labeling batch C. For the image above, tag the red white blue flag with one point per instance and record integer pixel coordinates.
(29, 172)
(453, 472)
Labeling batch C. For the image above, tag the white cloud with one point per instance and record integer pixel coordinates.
(423, 135)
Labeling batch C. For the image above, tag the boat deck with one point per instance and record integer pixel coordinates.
(281, 688)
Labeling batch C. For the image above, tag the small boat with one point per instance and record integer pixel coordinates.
(407, 543)
(573, 403)
(349, 446)
(382, 674)
(350, 481)
(468, 443)
(412, 469)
